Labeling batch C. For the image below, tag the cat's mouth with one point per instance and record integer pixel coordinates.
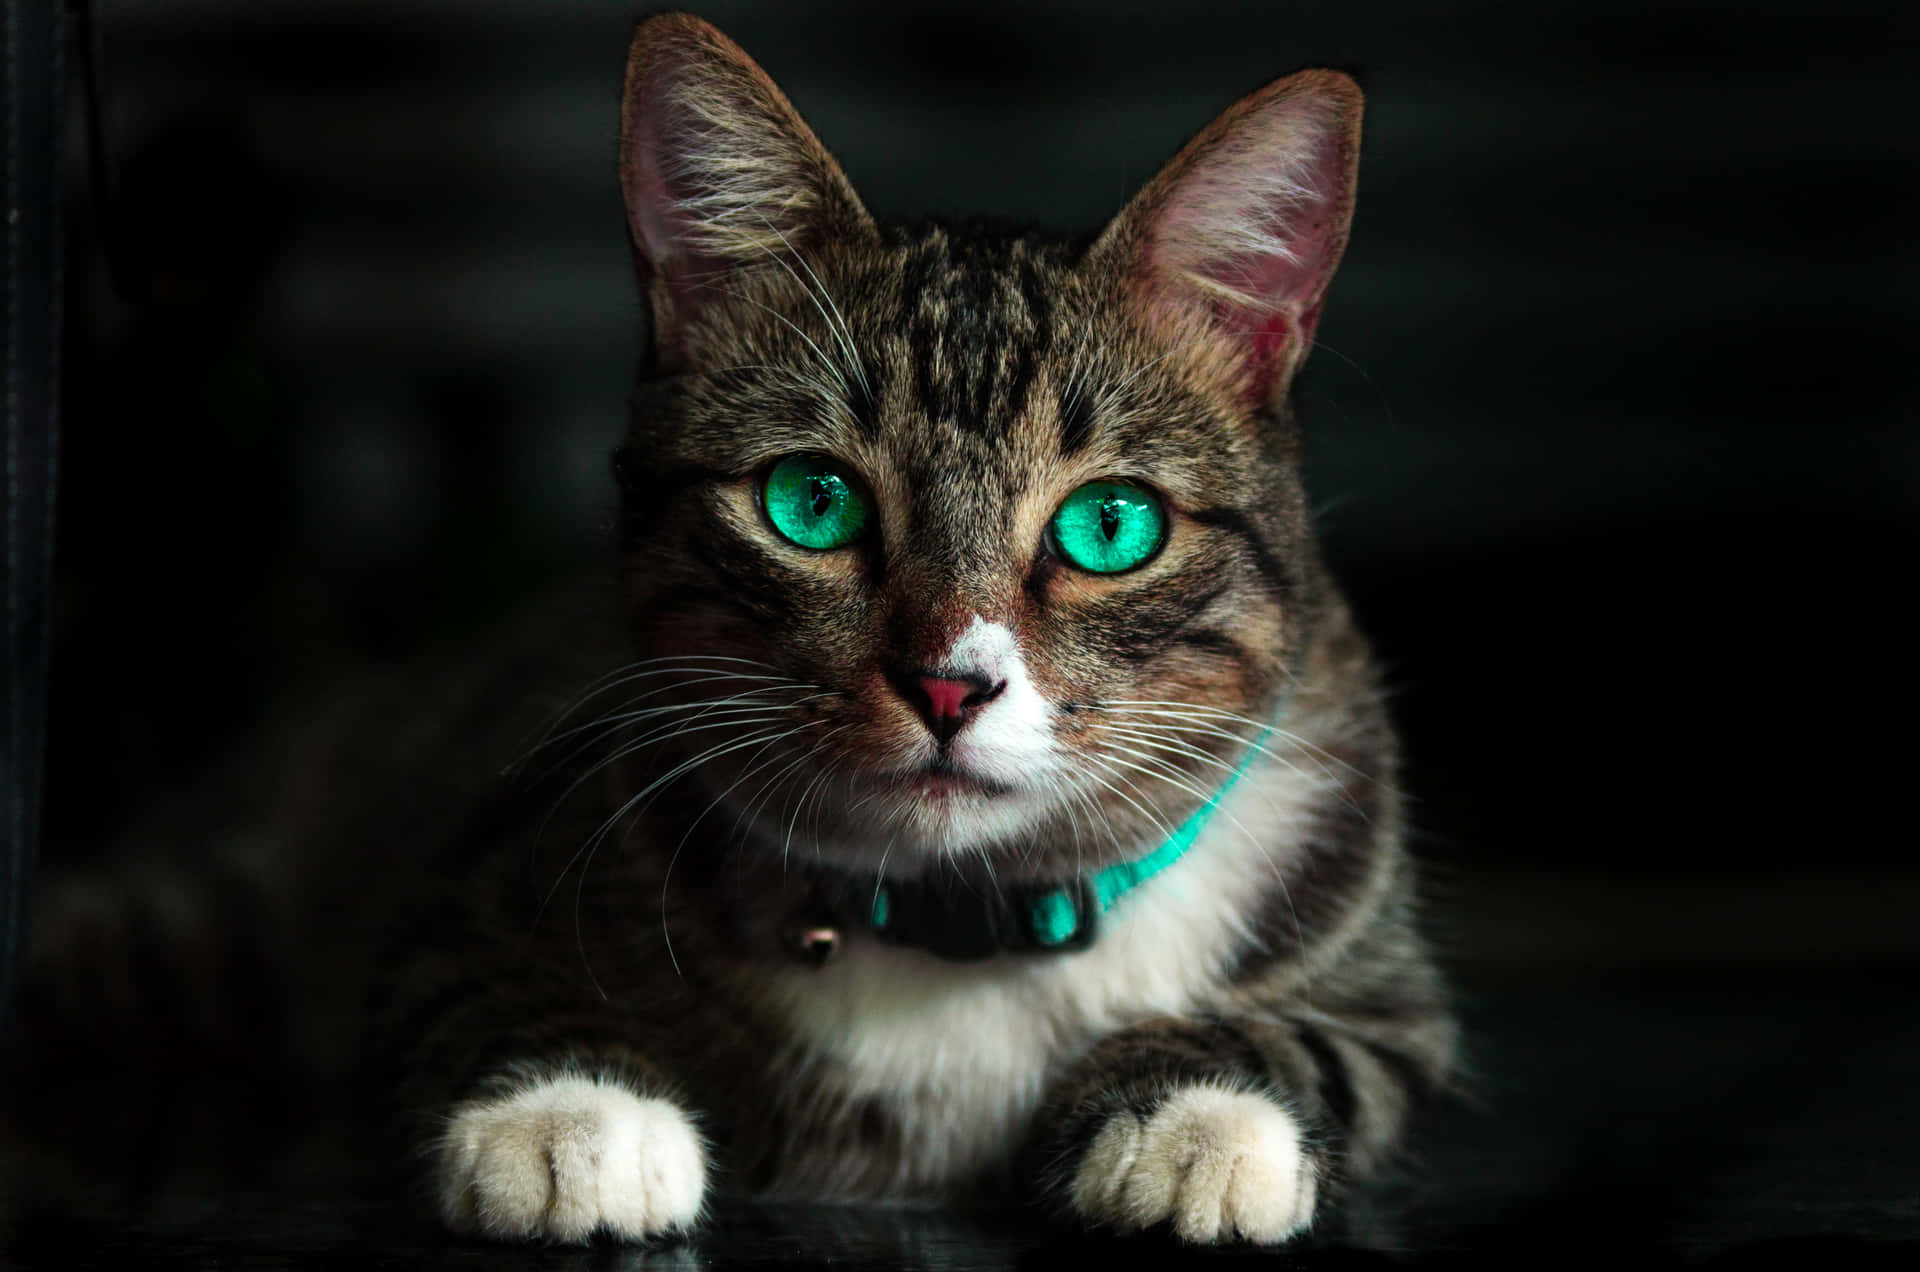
(941, 778)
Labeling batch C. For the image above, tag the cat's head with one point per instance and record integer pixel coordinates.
(975, 541)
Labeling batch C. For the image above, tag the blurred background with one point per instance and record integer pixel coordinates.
(1612, 430)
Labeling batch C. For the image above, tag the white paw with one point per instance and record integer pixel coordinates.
(1219, 1164)
(567, 1158)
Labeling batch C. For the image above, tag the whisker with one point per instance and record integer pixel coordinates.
(1194, 724)
(1145, 812)
(690, 674)
(1215, 713)
(665, 733)
(1160, 743)
(800, 806)
(825, 361)
(774, 684)
(667, 877)
(612, 724)
(836, 323)
(629, 672)
(1165, 771)
(593, 841)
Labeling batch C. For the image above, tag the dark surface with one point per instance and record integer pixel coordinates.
(1647, 1121)
(32, 89)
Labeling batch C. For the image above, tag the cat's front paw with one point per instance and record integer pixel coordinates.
(1219, 1164)
(567, 1158)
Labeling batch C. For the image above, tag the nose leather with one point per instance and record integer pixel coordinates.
(946, 703)
(945, 697)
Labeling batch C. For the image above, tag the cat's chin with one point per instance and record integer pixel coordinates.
(901, 821)
(946, 784)
(928, 825)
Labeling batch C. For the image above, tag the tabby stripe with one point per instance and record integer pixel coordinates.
(1144, 626)
(1334, 1084)
(981, 304)
(763, 583)
(1214, 641)
(1076, 425)
(917, 279)
(1027, 356)
(1331, 878)
(1415, 1076)
(1280, 577)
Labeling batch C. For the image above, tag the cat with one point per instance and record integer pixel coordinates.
(992, 788)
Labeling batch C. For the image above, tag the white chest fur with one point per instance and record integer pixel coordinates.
(963, 1050)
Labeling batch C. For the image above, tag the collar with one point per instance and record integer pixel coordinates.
(946, 917)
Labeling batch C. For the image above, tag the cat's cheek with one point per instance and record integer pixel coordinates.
(569, 1157)
(1220, 1165)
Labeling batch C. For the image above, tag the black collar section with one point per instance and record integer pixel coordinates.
(956, 920)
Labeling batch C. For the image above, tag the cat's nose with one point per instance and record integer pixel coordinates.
(946, 703)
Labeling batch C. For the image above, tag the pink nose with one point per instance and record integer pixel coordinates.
(946, 699)
(946, 703)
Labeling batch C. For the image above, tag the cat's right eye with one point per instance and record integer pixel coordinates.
(1108, 527)
(816, 502)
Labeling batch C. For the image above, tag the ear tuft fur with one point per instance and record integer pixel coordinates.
(719, 170)
(1247, 223)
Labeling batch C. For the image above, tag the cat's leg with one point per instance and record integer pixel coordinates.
(1229, 1129)
(560, 1150)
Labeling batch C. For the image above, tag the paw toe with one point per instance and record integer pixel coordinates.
(1215, 1164)
(568, 1158)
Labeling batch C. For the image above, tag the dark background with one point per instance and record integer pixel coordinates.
(1612, 426)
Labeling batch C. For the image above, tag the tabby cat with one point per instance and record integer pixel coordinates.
(995, 788)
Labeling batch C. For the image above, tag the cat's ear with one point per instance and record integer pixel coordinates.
(1243, 228)
(720, 172)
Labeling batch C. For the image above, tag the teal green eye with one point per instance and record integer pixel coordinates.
(1108, 526)
(815, 502)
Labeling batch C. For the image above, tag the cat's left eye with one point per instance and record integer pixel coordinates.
(1107, 527)
(816, 502)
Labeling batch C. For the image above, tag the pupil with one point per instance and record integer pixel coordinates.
(1109, 519)
(822, 496)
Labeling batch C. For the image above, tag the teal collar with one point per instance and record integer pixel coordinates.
(957, 923)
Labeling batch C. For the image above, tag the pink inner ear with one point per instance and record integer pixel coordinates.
(1270, 337)
(1251, 231)
(661, 134)
(1282, 286)
(658, 132)
(1264, 344)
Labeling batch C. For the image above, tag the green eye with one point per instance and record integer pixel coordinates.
(815, 502)
(1108, 526)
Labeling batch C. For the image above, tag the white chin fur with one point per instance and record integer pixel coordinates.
(918, 827)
